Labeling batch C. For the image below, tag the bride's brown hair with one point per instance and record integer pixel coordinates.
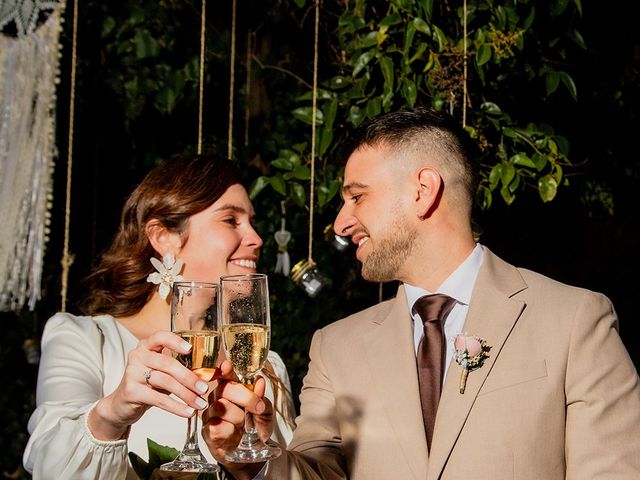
(170, 194)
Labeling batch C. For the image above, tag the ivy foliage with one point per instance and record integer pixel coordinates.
(390, 55)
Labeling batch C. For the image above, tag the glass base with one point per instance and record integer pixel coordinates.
(253, 455)
(189, 467)
(195, 463)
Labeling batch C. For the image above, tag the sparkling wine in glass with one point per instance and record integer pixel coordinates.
(194, 317)
(246, 325)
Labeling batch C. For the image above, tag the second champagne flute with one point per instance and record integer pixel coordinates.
(246, 325)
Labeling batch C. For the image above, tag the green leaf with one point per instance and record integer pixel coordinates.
(579, 6)
(300, 3)
(568, 82)
(495, 175)
(146, 45)
(356, 115)
(551, 81)
(298, 194)
(302, 172)
(576, 36)
(508, 172)
(548, 187)
(507, 196)
(491, 108)
(530, 18)
(304, 114)
(440, 37)
(522, 160)
(278, 184)
(563, 144)
(409, 91)
(386, 65)
(374, 107)
(257, 186)
(421, 26)
(484, 197)
(557, 7)
(339, 82)
(108, 25)
(540, 161)
(167, 97)
(362, 62)
(325, 137)
(282, 164)
(389, 20)
(422, 47)
(330, 110)
(369, 40)
(291, 156)
(483, 54)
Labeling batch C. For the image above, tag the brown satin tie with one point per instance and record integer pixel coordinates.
(433, 310)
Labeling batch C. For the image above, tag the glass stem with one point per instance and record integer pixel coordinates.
(250, 436)
(191, 450)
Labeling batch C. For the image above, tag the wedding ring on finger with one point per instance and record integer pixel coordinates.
(147, 375)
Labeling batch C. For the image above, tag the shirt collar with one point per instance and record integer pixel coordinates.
(458, 285)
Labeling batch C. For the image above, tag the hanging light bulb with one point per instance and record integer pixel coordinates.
(338, 242)
(305, 273)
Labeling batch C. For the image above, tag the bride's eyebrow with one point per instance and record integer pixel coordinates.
(233, 208)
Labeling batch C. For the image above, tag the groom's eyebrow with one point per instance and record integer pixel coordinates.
(347, 189)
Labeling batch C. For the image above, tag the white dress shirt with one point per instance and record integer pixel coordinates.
(458, 286)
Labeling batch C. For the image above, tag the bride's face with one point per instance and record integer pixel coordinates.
(221, 240)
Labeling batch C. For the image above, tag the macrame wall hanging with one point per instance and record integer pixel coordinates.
(29, 62)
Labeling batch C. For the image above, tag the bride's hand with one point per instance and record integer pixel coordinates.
(149, 379)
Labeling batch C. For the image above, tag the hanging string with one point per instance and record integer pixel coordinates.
(232, 79)
(247, 111)
(464, 64)
(314, 107)
(67, 257)
(203, 16)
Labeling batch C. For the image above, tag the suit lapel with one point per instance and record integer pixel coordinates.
(391, 358)
(492, 315)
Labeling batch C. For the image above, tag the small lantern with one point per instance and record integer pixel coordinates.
(306, 274)
(338, 242)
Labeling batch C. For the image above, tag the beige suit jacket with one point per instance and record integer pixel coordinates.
(558, 398)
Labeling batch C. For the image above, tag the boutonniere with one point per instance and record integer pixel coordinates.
(471, 352)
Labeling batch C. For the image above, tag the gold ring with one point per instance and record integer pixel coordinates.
(147, 375)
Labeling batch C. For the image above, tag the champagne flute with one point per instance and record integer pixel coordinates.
(194, 317)
(246, 325)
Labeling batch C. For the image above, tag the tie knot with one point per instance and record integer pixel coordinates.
(433, 308)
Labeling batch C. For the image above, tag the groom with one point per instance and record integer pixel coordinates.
(558, 396)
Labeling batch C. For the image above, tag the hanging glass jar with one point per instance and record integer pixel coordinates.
(305, 273)
(338, 242)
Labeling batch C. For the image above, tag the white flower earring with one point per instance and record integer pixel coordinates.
(167, 273)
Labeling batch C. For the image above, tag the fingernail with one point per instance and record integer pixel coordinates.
(202, 386)
(260, 406)
(201, 403)
(186, 346)
(189, 411)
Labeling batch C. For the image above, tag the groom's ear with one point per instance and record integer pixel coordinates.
(429, 189)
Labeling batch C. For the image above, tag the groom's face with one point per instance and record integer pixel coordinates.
(375, 214)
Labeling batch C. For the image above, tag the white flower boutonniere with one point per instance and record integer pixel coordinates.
(471, 352)
(167, 273)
